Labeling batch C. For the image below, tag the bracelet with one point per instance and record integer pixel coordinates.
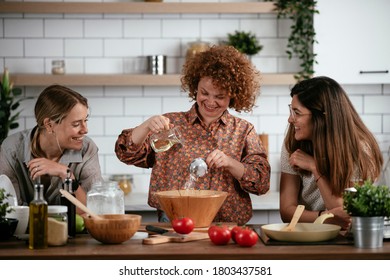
(319, 177)
(320, 212)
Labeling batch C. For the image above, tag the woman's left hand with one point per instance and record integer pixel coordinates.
(217, 159)
(43, 166)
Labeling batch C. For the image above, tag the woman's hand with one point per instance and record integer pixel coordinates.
(303, 161)
(43, 166)
(158, 123)
(218, 159)
(340, 218)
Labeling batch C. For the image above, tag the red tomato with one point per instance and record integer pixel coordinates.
(219, 235)
(234, 232)
(246, 237)
(183, 226)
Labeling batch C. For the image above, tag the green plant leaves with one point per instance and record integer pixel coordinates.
(302, 36)
(245, 42)
(10, 99)
(368, 200)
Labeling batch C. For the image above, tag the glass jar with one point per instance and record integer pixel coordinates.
(57, 229)
(196, 47)
(125, 182)
(106, 198)
(58, 67)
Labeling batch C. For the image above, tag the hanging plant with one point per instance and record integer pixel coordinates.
(302, 36)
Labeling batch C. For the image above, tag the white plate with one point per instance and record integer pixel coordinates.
(6, 184)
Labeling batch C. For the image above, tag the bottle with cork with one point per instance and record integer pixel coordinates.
(38, 219)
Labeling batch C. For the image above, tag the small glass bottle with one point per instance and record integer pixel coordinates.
(57, 225)
(38, 220)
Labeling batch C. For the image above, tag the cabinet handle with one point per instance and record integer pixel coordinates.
(375, 72)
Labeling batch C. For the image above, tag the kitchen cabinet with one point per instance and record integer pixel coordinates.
(21, 79)
(353, 40)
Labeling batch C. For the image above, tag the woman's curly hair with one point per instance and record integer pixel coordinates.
(229, 70)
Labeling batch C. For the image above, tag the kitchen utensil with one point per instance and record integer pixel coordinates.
(113, 228)
(304, 232)
(165, 236)
(164, 140)
(198, 168)
(297, 214)
(78, 203)
(157, 64)
(199, 205)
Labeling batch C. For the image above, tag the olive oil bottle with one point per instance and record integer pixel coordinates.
(38, 219)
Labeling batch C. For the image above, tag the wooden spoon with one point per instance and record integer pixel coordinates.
(78, 203)
(297, 214)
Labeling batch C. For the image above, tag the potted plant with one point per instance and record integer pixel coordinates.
(9, 102)
(245, 42)
(7, 225)
(368, 205)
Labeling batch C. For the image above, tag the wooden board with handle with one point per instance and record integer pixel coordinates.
(174, 237)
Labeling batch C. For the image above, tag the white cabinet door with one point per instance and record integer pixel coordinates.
(353, 40)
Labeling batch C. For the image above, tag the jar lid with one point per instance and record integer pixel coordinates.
(51, 209)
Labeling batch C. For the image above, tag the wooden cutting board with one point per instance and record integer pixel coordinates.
(174, 237)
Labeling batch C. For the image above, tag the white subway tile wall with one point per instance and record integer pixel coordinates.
(115, 44)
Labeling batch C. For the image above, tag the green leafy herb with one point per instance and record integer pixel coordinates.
(245, 42)
(368, 200)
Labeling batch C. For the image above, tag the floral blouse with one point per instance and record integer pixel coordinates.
(234, 136)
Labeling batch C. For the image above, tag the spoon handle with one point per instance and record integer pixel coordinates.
(297, 214)
(78, 203)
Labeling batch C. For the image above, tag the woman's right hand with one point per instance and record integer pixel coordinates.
(340, 218)
(157, 123)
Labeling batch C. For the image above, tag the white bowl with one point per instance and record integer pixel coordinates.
(22, 214)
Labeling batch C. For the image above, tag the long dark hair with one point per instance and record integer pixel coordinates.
(341, 144)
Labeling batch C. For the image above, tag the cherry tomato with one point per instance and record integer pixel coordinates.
(183, 225)
(219, 235)
(246, 237)
(234, 232)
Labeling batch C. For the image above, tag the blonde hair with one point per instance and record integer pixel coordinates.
(55, 102)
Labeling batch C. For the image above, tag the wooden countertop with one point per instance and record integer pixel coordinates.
(86, 248)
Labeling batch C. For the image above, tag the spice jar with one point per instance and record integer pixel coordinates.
(125, 182)
(58, 67)
(196, 47)
(106, 198)
(57, 229)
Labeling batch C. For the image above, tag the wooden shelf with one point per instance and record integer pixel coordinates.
(125, 79)
(136, 8)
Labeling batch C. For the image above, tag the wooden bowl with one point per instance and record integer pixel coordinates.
(113, 228)
(200, 205)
